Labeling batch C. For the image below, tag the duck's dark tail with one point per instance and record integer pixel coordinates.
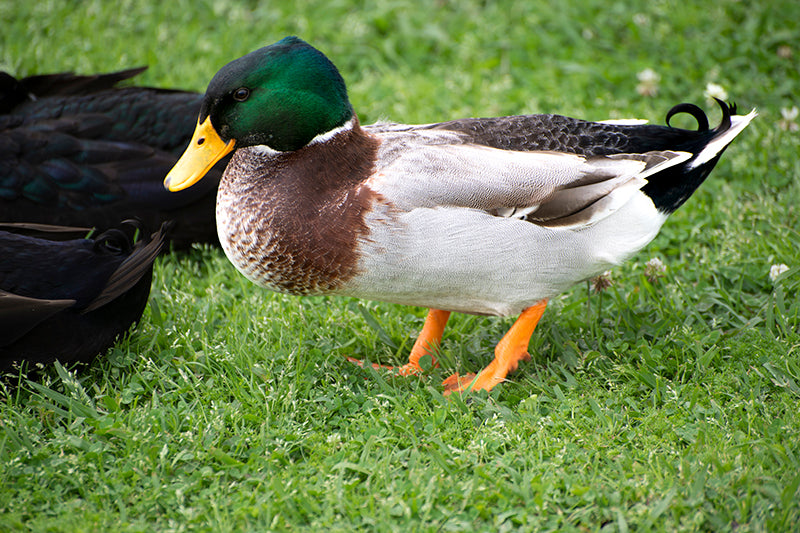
(670, 189)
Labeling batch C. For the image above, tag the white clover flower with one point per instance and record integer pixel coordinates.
(788, 118)
(654, 269)
(790, 114)
(648, 82)
(715, 90)
(777, 270)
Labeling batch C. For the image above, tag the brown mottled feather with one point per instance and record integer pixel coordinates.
(311, 212)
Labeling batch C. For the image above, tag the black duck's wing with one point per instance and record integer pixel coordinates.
(20, 314)
(50, 231)
(64, 83)
(76, 150)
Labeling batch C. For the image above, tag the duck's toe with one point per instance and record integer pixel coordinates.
(408, 369)
(457, 383)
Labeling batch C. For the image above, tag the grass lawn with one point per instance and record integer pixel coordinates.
(670, 404)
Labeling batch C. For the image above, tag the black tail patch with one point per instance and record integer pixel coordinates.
(671, 188)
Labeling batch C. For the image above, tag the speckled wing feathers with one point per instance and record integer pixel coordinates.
(547, 188)
(564, 134)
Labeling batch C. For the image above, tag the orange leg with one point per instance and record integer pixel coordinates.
(426, 344)
(511, 349)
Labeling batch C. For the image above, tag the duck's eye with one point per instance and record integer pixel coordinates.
(241, 94)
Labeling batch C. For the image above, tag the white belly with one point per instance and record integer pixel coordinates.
(466, 260)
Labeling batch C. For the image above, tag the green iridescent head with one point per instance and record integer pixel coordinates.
(281, 96)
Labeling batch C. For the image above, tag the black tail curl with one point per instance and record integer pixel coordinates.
(700, 116)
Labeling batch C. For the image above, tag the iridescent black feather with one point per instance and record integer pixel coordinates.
(79, 151)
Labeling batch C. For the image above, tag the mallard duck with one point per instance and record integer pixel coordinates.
(80, 151)
(69, 300)
(491, 216)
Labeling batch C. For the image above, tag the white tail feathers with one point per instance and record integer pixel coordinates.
(712, 149)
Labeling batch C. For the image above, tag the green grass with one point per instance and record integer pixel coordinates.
(656, 405)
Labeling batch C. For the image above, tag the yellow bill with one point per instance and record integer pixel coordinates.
(204, 150)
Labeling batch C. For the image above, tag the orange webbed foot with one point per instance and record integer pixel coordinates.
(426, 344)
(511, 349)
